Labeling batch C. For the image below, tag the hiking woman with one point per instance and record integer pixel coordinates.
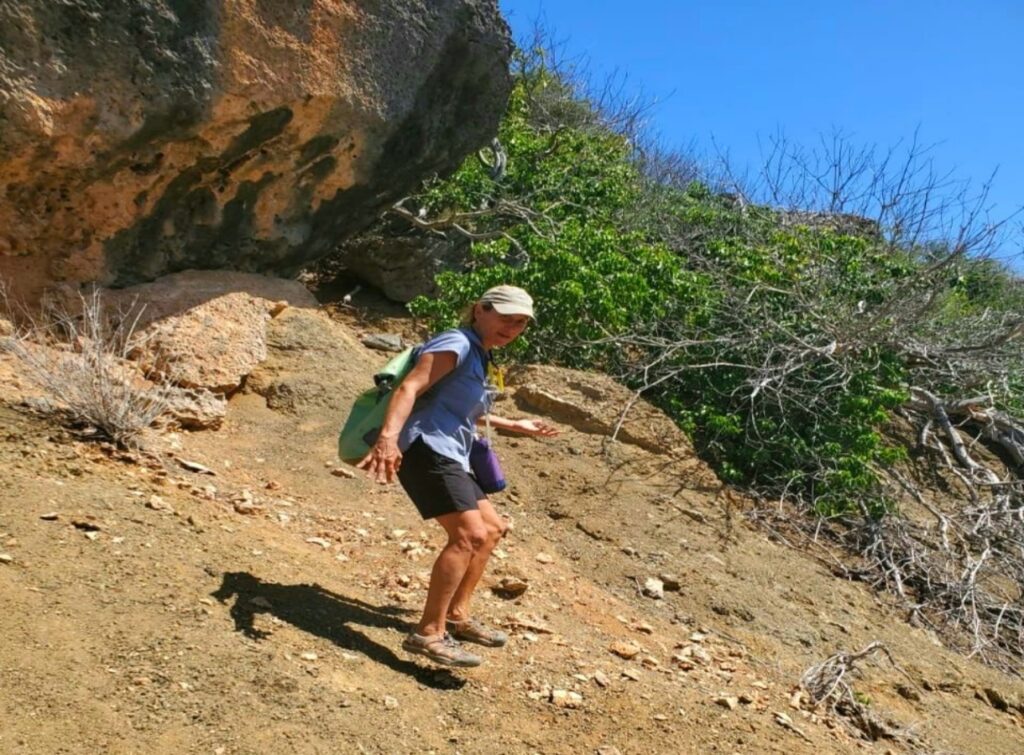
(426, 439)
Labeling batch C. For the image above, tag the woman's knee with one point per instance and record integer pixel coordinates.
(494, 533)
(471, 538)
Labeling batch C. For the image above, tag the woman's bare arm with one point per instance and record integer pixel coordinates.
(522, 426)
(384, 459)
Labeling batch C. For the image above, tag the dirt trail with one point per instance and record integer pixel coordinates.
(149, 607)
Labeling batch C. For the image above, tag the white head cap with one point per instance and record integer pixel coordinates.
(509, 300)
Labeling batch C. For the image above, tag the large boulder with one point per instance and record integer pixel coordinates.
(141, 137)
(206, 329)
(402, 267)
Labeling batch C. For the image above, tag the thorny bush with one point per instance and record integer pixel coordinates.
(81, 359)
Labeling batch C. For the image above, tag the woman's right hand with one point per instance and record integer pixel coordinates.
(383, 461)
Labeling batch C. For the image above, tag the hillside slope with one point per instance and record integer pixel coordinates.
(258, 604)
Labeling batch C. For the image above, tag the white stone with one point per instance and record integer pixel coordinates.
(653, 588)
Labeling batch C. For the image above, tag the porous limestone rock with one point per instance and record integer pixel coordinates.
(142, 137)
(193, 409)
(206, 329)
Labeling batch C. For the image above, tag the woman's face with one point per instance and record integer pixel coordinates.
(496, 329)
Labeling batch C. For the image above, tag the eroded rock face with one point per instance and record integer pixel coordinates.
(142, 137)
(594, 403)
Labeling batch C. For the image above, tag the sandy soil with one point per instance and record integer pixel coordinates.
(257, 606)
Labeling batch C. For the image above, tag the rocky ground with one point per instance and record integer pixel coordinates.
(239, 591)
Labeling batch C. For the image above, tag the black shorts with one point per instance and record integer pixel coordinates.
(436, 484)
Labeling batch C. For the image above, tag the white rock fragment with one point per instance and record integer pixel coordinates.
(527, 621)
(543, 558)
(157, 503)
(561, 698)
(195, 466)
(319, 541)
(654, 588)
(309, 656)
(727, 701)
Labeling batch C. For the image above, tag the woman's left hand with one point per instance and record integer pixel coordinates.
(536, 427)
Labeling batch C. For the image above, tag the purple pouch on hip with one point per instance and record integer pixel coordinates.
(486, 468)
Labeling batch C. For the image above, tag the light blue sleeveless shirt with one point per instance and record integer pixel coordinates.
(445, 416)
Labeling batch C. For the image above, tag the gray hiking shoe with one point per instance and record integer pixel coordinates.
(472, 630)
(443, 650)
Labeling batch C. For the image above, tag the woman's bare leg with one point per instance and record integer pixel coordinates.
(467, 534)
(458, 607)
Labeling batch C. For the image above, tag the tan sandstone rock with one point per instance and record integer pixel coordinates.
(207, 329)
(594, 403)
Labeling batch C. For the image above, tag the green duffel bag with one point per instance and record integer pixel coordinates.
(366, 416)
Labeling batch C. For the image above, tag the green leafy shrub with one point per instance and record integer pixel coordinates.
(782, 348)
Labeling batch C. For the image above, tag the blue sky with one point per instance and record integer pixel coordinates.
(732, 73)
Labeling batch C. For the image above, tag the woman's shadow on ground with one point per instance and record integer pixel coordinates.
(321, 612)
